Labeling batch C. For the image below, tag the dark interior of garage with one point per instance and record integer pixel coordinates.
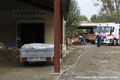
(31, 33)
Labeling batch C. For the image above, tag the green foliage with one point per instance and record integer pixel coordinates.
(74, 18)
(110, 11)
(105, 17)
(94, 18)
(83, 18)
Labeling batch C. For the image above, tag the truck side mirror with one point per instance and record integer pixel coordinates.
(113, 29)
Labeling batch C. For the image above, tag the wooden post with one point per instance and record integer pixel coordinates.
(57, 36)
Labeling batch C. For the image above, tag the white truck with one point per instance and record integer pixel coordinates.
(110, 33)
(37, 52)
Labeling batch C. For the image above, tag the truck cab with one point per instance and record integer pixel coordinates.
(109, 32)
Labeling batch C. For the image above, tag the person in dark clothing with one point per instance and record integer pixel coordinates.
(81, 39)
(98, 37)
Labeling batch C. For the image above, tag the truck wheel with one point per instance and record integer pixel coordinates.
(114, 42)
(25, 63)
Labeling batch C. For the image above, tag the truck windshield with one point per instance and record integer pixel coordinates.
(102, 29)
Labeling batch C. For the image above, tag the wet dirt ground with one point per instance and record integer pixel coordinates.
(97, 64)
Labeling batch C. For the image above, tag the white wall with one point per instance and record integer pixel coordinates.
(49, 28)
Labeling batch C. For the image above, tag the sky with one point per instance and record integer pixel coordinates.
(87, 8)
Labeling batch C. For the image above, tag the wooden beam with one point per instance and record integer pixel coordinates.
(57, 36)
(38, 5)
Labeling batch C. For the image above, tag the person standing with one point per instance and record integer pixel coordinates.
(98, 37)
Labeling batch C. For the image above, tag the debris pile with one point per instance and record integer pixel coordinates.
(9, 54)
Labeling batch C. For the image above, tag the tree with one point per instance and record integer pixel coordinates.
(93, 18)
(73, 17)
(83, 18)
(111, 8)
(103, 18)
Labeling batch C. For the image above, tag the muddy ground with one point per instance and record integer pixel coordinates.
(97, 64)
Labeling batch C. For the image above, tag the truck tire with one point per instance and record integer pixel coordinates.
(25, 63)
(114, 42)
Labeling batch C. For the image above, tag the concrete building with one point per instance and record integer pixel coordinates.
(29, 21)
(34, 21)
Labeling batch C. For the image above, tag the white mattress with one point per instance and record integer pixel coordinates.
(37, 46)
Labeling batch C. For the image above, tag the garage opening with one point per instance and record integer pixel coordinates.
(31, 33)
